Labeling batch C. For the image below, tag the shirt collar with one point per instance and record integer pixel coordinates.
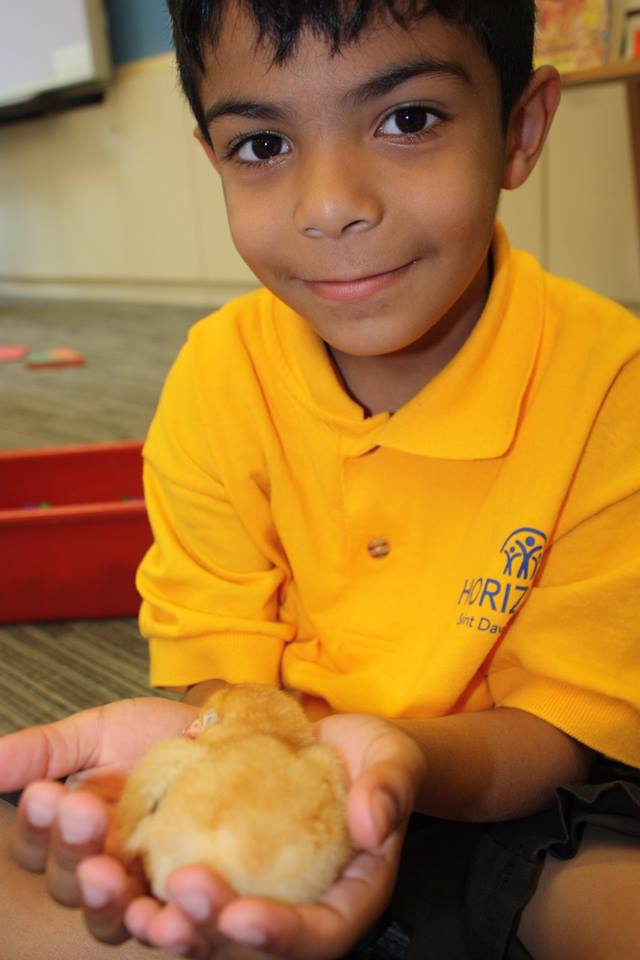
(470, 410)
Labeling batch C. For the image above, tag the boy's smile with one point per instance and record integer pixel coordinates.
(362, 187)
(352, 289)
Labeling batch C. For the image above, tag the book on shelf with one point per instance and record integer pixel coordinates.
(616, 30)
(582, 34)
(630, 41)
(624, 36)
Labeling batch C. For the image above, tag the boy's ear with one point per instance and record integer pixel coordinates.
(208, 149)
(530, 124)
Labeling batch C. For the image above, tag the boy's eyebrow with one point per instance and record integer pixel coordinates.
(380, 83)
(393, 76)
(253, 109)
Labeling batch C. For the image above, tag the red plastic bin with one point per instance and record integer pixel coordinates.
(73, 528)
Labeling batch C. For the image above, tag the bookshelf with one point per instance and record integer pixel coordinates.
(628, 73)
(625, 71)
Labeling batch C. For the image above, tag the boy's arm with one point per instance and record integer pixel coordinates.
(210, 582)
(571, 653)
(493, 765)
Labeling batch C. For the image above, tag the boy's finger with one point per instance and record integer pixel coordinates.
(32, 832)
(171, 930)
(328, 928)
(49, 751)
(106, 892)
(382, 797)
(79, 832)
(201, 895)
(280, 930)
(139, 914)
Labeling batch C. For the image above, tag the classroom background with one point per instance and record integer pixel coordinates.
(115, 201)
(113, 240)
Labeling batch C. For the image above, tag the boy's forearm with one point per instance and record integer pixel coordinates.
(493, 765)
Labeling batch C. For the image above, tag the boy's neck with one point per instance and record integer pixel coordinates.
(383, 384)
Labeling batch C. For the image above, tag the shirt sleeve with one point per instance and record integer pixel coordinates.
(210, 582)
(572, 654)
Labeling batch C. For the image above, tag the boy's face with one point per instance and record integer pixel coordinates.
(361, 188)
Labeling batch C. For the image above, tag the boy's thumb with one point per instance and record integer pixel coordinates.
(379, 803)
(386, 814)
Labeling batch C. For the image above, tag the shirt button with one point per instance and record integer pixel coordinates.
(378, 547)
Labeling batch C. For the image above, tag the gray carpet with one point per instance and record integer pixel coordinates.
(48, 670)
(127, 349)
(52, 669)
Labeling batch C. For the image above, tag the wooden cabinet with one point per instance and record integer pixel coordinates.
(580, 213)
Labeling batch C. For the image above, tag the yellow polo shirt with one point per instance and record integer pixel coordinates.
(479, 547)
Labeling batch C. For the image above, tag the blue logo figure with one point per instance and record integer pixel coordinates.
(523, 551)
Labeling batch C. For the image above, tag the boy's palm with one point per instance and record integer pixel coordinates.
(385, 767)
(378, 758)
(99, 746)
(110, 738)
(58, 827)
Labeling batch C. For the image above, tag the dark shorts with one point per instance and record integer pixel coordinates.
(461, 886)
(12, 798)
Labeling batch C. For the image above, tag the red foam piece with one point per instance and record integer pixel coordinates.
(12, 352)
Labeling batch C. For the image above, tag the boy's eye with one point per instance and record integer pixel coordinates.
(261, 147)
(408, 120)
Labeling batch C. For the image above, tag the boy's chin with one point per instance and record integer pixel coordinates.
(372, 342)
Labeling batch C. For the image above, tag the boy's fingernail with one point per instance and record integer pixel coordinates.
(73, 830)
(386, 814)
(196, 905)
(39, 814)
(95, 897)
(250, 936)
(76, 780)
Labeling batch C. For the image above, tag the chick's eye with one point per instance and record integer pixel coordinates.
(408, 120)
(264, 146)
(210, 717)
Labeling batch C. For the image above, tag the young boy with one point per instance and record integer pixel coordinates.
(402, 479)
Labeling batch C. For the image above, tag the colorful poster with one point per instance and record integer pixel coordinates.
(573, 34)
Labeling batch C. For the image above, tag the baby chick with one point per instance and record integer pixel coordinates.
(252, 796)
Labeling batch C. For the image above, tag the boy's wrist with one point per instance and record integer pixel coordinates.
(493, 765)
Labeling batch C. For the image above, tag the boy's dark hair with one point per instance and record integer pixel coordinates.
(505, 28)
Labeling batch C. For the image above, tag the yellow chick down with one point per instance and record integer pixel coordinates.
(253, 797)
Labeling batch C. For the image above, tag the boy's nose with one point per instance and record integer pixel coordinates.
(336, 196)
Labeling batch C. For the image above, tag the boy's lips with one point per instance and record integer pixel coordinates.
(359, 288)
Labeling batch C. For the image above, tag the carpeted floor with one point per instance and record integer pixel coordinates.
(48, 670)
(128, 350)
(52, 669)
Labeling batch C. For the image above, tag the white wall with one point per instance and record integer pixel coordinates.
(578, 212)
(117, 201)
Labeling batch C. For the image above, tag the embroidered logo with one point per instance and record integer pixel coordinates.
(496, 599)
(522, 551)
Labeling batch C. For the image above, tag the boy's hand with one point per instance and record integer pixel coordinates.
(63, 830)
(385, 767)
(58, 826)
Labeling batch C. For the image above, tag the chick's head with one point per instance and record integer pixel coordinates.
(251, 708)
